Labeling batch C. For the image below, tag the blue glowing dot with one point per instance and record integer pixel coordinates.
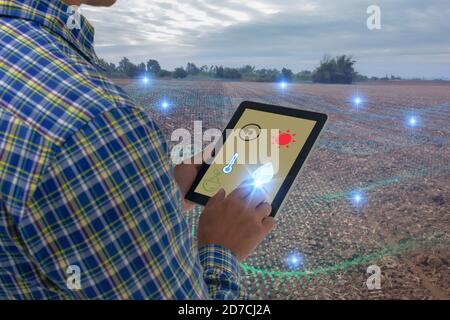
(165, 104)
(145, 80)
(294, 261)
(357, 101)
(283, 84)
(412, 121)
(357, 199)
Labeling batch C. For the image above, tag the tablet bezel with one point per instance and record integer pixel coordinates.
(288, 183)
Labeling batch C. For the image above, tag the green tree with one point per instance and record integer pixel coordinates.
(247, 70)
(141, 69)
(335, 70)
(110, 68)
(232, 73)
(153, 67)
(287, 74)
(304, 75)
(128, 68)
(218, 72)
(267, 75)
(164, 74)
(179, 73)
(192, 69)
(344, 69)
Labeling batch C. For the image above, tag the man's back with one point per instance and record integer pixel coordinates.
(85, 181)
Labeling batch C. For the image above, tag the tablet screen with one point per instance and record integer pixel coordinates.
(260, 150)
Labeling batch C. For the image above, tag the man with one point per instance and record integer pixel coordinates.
(89, 205)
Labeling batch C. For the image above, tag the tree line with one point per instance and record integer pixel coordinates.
(339, 69)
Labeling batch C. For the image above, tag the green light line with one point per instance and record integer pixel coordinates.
(387, 251)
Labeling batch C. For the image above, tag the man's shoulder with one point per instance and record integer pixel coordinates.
(49, 92)
(50, 85)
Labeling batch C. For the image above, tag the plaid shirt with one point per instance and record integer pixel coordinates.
(86, 187)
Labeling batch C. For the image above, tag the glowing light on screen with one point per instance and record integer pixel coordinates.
(263, 175)
(145, 80)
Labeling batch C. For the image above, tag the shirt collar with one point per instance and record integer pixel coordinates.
(57, 16)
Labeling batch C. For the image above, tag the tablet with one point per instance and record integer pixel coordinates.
(263, 145)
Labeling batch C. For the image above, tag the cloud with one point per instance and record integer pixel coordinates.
(413, 41)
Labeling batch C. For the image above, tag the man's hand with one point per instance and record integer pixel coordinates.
(185, 175)
(238, 222)
(186, 172)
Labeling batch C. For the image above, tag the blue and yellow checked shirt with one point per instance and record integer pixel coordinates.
(85, 178)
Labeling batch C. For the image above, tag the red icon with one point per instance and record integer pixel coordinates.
(284, 139)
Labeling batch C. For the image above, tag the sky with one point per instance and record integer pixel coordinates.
(414, 39)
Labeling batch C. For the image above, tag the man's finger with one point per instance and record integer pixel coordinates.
(220, 195)
(263, 211)
(268, 224)
(207, 153)
(256, 197)
(242, 191)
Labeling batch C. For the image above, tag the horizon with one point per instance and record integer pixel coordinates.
(293, 70)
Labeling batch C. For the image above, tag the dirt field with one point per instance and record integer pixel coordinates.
(399, 169)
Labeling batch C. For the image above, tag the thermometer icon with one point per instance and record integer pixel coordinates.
(229, 167)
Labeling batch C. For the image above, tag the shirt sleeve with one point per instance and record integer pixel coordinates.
(221, 273)
(106, 222)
